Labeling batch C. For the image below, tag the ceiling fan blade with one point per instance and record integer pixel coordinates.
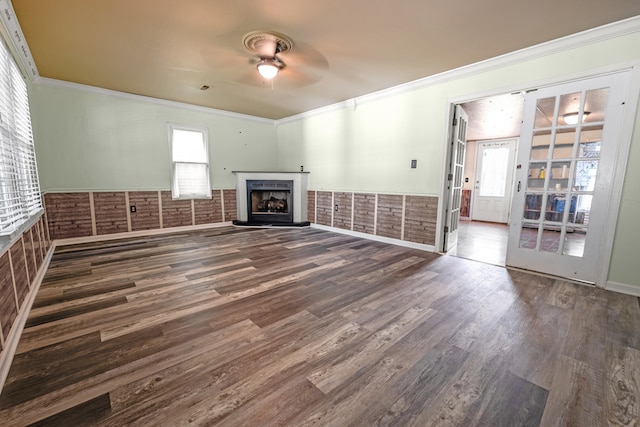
(304, 56)
(293, 77)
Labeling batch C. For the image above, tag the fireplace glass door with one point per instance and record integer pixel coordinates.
(270, 201)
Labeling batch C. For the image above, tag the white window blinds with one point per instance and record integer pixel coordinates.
(19, 188)
(189, 163)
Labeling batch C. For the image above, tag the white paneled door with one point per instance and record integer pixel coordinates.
(494, 180)
(564, 176)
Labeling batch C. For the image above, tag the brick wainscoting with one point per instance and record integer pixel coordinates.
(402, 217)
(86, 214)
(19, 266)
(396, 216)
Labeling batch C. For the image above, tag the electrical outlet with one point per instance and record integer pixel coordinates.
(414, 164)
(336, 207)
(132, 209)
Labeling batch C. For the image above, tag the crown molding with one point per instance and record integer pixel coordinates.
(12, 33)
(584, 38)
(45, 81)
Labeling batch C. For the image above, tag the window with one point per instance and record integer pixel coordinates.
(19, 188)
(493, 179)
(189, 163)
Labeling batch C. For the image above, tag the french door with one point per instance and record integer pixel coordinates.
(564, 175)
(455, 177)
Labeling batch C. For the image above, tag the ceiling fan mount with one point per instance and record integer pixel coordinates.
(266, 45)
(267, 42)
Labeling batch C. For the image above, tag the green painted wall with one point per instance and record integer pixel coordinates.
(94, 141)
(369, 146)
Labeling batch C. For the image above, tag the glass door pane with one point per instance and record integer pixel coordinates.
(562, 172)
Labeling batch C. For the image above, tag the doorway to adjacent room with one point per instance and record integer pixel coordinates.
(489, 164)
(564, 180)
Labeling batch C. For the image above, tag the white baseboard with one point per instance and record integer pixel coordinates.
(389, 240)
(12, 341)
(623, 288)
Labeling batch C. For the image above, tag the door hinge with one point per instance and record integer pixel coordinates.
(455, 121)
(450, 177)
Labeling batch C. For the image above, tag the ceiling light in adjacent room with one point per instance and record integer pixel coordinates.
(572, 118)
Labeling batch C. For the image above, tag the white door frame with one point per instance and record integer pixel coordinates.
(626, 133)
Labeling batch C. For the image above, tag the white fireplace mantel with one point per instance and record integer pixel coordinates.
(299, 192)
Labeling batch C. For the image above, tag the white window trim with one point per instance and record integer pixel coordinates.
(205, 132)
(20, 198)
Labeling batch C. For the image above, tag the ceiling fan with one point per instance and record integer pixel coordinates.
(266, 46)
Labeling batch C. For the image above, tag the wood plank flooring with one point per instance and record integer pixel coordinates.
(301, 327)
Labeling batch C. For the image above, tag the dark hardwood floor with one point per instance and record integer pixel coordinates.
(300, 327)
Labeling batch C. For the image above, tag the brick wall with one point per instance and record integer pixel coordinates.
(101, 213)
(230, 205)
(208, 211)
(364, 213)
(389, 216)
(324, 208)
(110, 212)
(30, 253)
(342, 216)
(147, 214)
(20, 269)
(175, 213)
(410, 218)
(38, 245)
(420, 218)
(19, 265)
(69, 214)
(311, 206)
(9, 311)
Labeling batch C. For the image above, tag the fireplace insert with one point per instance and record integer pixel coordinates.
(269, 201)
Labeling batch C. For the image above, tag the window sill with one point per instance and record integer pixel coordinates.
(7, 240)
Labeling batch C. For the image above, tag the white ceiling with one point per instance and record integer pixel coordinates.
(494, 117)
(168, 49)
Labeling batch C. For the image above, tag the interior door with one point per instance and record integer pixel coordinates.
(564, 174)
(493, 180)
(455, 177)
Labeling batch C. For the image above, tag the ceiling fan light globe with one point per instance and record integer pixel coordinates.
(268, 70)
